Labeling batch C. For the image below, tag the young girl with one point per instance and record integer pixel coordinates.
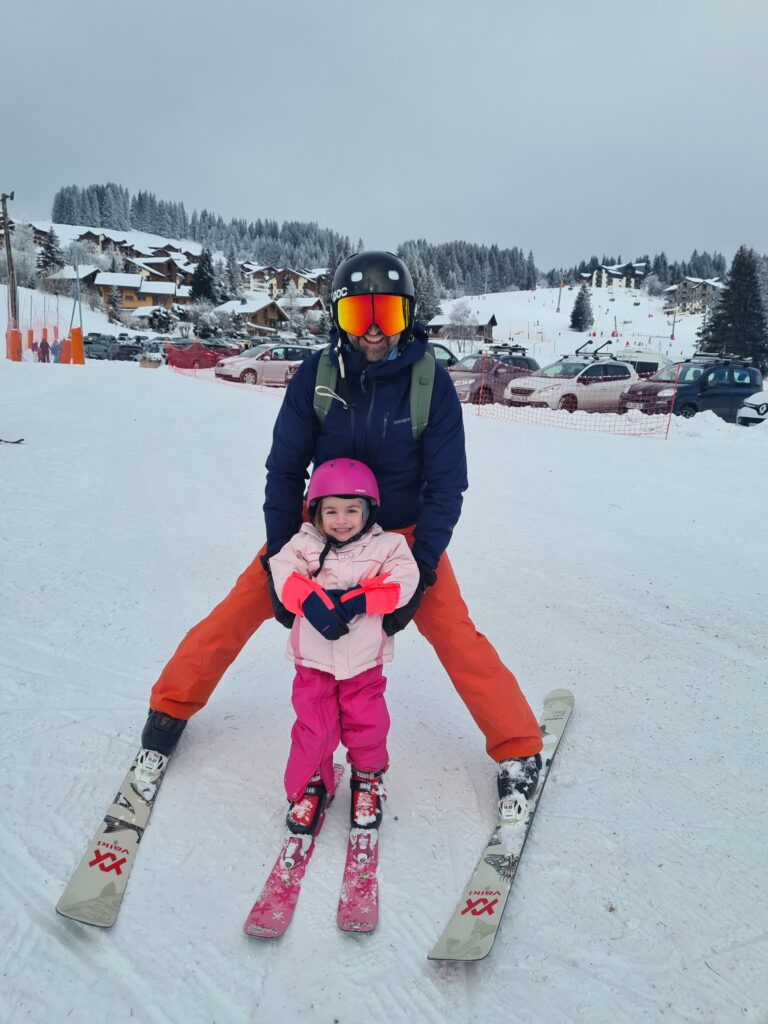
(339, 575)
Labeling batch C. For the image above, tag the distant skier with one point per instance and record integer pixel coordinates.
(376, 352)
(339, 575)
(44, 352)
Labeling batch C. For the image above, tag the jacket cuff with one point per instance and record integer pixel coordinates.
(296, 590)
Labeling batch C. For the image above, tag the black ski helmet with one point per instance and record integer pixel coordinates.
(374, 272)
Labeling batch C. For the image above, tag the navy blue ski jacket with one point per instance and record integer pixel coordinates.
(420, 482)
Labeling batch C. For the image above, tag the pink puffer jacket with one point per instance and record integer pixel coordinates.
(366, 644)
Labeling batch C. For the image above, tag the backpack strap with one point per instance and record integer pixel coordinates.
(422, 380)
(325, 384)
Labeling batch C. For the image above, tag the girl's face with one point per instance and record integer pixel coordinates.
(341, 518)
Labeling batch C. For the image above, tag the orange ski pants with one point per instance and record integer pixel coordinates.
(489, 690)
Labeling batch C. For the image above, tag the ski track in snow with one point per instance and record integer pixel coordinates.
(627, 570)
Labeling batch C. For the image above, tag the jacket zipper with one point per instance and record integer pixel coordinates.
(368, 420)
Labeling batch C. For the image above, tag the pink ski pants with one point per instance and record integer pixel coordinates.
(328, 710)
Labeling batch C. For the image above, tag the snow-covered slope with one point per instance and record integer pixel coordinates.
(532, 319)
(631, 572)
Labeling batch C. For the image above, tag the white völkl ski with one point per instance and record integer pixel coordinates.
(96, 889)
(471, 932)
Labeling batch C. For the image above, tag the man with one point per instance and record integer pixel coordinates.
(422, 476)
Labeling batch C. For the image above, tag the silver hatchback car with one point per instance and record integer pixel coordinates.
(272, 365)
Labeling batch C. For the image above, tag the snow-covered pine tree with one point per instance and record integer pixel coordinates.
(50, 257)
(234, 276)
(738, 323)
(581, 314)
(203, 287)
(427, 293)
(113, 305)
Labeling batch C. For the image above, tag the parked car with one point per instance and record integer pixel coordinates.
(128, 350)
(645, 363)
(443, 355)
(154, 350)
(265, 364)
(703, 383)
(753, 410)
(101, 346)
(589, 383)
(482, 377)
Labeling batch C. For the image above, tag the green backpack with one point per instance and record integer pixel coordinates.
(422, 379)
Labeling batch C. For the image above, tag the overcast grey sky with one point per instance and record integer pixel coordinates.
(569, 128)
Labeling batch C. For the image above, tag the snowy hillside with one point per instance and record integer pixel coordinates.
(531, 319)
(631, 572)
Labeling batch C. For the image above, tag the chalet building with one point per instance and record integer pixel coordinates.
(127, 285)
(261, 313)
(133, 251)
(137, 292)
(620, 275)
(164, 293)
(103, 239)
(278, 285)
(317, 280)
(256, 277)
(150, 269)
(692, 295)
(86, 274)
(169, 249)
(310, 307)
(442, 327)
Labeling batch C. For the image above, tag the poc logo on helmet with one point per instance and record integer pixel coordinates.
(338, 294)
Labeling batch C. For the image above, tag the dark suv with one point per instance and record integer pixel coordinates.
(707, 382)
(99, 346)
(483, 376)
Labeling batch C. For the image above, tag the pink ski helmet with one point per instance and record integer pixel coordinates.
(343, 478)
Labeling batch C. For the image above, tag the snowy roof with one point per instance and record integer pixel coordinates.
(672, 288)
(146, 311)
(68, 273)
(158, 288)
(251, 303)
(713, 282)
(302, 300)
(118, 280)
(144, 266)
(443, 320)
(183, 290)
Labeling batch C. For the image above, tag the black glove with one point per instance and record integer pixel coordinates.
(349, 609)
(329, 622)
(400, 617)
(283, 616)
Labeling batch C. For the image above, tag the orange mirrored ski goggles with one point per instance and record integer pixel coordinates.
(356, 313)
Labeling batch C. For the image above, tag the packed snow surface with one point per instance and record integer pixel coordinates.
(629, 570)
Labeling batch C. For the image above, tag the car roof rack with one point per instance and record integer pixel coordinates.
(504, 348)
(715, 357)
(594, 354)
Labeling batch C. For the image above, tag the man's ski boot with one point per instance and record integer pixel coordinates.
(306, 813)
(161, 733)
(368, 793)
(516, 781)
